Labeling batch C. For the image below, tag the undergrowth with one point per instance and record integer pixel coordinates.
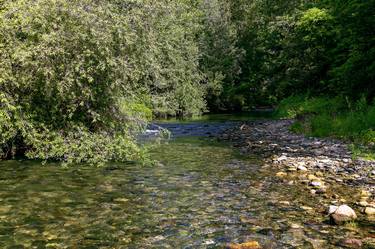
(333, 117)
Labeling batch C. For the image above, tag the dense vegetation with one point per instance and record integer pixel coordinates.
(79, 79)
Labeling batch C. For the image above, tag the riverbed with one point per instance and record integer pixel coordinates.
(202, 193)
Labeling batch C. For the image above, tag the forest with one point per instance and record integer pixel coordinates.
(79, 79)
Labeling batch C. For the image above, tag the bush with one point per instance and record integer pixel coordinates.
(323, 117)
(298, 106)
(79, 79)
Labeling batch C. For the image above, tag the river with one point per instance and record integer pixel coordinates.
(201, 194)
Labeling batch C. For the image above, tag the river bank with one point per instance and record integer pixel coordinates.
(314, 162)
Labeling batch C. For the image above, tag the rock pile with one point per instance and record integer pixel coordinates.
(294, 152)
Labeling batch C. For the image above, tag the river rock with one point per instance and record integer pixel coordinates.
(316, 184)
(302, 168)
(332, 209)
(351, 243)
(281, 174)
(343, 214)
(246, 245)
(370, 211)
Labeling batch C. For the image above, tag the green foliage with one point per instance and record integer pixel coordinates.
(301, 47)
(80, 79)
(324, 117)
(299, 106)
(220, 59)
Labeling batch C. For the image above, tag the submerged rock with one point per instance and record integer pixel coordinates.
(343, 214)
(246, 245)
(281, 174)
(351, 243)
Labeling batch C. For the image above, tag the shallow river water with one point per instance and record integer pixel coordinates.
(202, 194)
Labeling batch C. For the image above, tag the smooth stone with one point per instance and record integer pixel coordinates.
(316, 184)
(295, 226)
(332, 209)
(246, 245)
(301, 168)
(306, 208)
(370, 211)
(363, 203)
(343, 214)
(281, 174)
(284, 202)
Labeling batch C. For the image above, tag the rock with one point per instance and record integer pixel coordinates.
(306, 208)
(246, 245)
(281, 158)
(302, 168)
(332, 209)
(316, 184)
(370, 211)
(284, 202)
(295, 226)
(343, 214)
(281, 174)
(362, 203)
(351, 243)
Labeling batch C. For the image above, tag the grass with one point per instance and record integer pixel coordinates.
(333, 117)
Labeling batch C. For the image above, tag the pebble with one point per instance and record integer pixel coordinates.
(316, 184)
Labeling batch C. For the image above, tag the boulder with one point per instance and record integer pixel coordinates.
(343, 214)
(332, 209)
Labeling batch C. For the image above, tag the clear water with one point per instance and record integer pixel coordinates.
(203, 194)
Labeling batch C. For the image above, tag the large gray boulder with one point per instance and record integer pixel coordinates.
(342, 214)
